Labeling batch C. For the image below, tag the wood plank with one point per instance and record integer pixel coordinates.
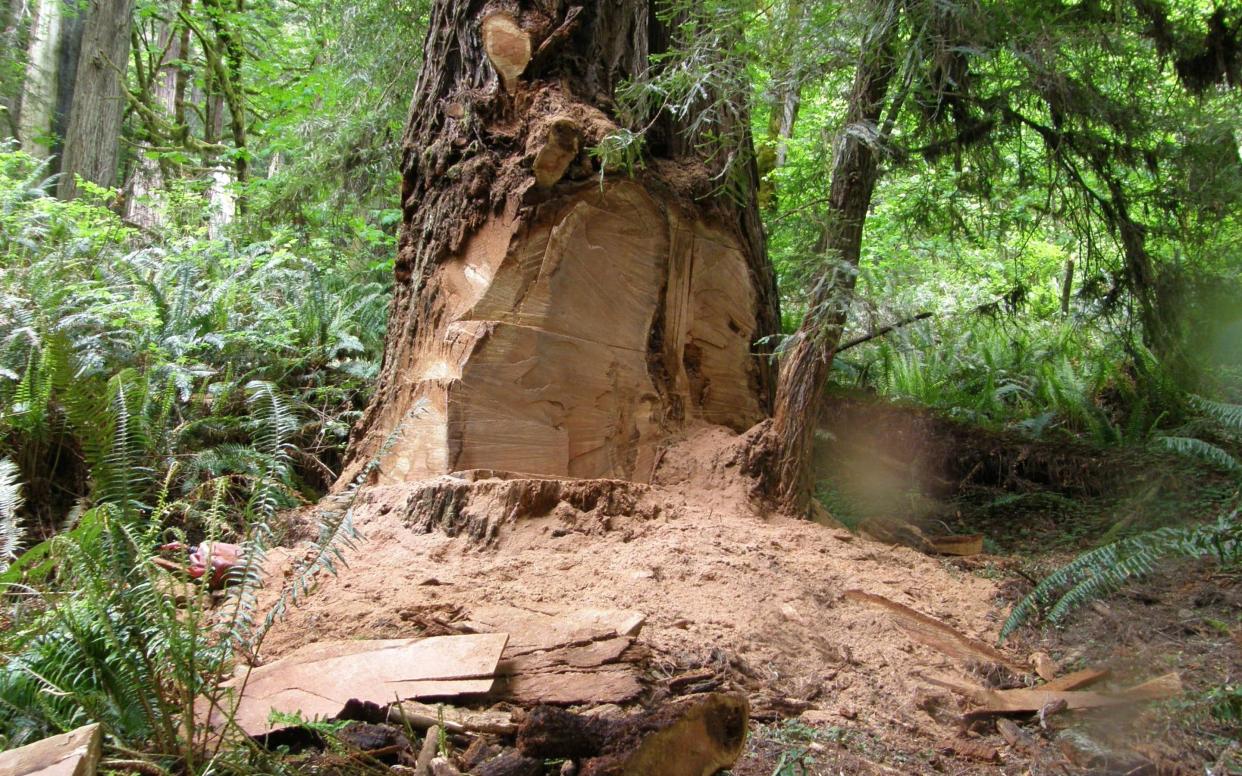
(317, 681)
(531, 631)
(75, 753)
(611, 684)
(1076, 680)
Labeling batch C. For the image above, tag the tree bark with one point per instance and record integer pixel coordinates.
(38, 107)
(147, 175)
(783, 455)
(550, 319)
(92, 142)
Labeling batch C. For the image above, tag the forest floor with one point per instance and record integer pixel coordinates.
(758, 600)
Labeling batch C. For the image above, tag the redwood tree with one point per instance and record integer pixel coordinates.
(551, 317)
(92, 141)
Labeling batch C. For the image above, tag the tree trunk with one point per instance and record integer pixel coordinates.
(39, 87)
(548, 320)
(68, 54)
(93, 139)
(783, 457)
(147, 176)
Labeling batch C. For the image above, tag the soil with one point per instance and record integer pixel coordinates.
(836, 685)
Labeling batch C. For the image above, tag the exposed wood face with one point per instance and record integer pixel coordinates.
(549, 321)
(572, 343)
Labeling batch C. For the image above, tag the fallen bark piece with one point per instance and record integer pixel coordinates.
(975, 750)
(694, 737)
(962, 546)
(421, 716)
(75, 753)
(317, 681)
(936, 634)
(1031, 701)
(1016, 737)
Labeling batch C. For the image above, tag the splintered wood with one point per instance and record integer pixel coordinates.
(581, 657)
(75, 753)
(574, 341)
(936, 634)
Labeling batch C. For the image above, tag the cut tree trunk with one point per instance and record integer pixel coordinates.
(783, 456)
(548, 319)
(38, 107)
(92, 141)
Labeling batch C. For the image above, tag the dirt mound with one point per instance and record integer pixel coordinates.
(720, 583)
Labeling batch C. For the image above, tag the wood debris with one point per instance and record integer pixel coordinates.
(586, 656)
(1050, 696)
(962, 546)
(1044, 665)
(936, 634)
(693, 737)
(423, 716)
(317, 681)
(75, 753)
(971, 749)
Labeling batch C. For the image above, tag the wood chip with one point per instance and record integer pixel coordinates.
(1016, 737)
(1044, 665)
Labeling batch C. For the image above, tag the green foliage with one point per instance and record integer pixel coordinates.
(186, 324)
(1106, 569)
(187, 389)
(10, 521)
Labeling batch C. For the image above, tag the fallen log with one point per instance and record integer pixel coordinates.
(695, 737)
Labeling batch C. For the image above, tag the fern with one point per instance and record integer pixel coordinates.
(1228, 416)
(1104, 570)
(10, 522)
(1191, 447)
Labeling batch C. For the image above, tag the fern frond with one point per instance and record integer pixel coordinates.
(1190, 447)
(1227, 415)
(10, 523)
(1106, 569)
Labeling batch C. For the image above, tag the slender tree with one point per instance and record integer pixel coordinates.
(39, 87)
(784, 454)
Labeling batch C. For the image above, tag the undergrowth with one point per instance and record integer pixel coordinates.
(178, 389)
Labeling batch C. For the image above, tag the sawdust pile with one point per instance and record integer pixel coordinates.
(722, 585)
